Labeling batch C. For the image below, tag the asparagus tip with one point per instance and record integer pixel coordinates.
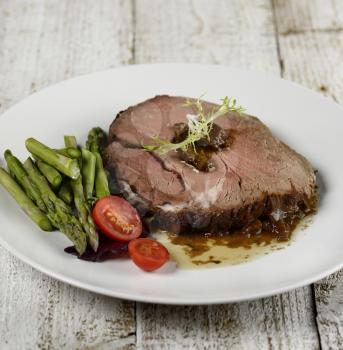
(45, 225)
(7, 153)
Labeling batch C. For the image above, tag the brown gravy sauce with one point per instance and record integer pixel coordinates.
(211, 250)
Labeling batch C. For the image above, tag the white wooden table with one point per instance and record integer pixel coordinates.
(42, 42)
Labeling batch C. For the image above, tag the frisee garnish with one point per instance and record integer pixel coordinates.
(199, 126)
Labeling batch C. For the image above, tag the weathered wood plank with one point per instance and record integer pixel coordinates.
(329, 301)
(42, 42)
(311, 47)
(281, 322)
(296, 17)
(239, 33)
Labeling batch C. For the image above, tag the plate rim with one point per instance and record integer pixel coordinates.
(269, 75)
(163, 300)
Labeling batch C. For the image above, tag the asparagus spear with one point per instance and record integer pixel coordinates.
(88, 173)
(18, 172)
(24, 201)
(69, 152)
(51, 174)
(59, 213)
(101, 181)
(97, 140)
(81, 204)
(65, 192)
(84, 214)
(65, 165)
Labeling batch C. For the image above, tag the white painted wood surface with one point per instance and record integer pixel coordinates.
(45, 41)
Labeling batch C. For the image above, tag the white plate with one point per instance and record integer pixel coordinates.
(310, 123)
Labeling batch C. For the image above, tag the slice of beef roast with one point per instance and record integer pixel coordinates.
(256, 176)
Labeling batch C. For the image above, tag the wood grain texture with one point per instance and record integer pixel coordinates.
(281, 322)
(238, 33)
(311, 48)
(311, 44)
(42, 42)
(235, 32)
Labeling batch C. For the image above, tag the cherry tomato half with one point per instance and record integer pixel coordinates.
(148, 254)
(117, 218)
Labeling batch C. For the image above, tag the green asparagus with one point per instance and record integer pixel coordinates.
(51, 174)
(17, 170)
(69, 152)
(65, 165)
(24, 201)
(59, 213)
(101, 181)
(81, 204)
(65, 192)
(70, 142)
(84, 214)
(97, 140)
(88, 173)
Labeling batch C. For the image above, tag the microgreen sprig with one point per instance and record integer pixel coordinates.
(199, 125)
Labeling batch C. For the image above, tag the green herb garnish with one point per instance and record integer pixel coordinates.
(199, 126)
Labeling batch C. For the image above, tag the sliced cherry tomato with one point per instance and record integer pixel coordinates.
(148, 254)
(117, 218)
